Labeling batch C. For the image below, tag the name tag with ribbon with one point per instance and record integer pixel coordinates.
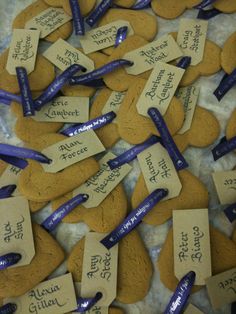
(225, 183)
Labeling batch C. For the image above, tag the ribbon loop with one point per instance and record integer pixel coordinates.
(98, 12)
(121, 35)
(208, 14)
(223, 148)
(7, 191)
(78, 20)
(85, 304)
(184, 62)
(17, 162)
(204, 3)
(225, 85)
(230, 212)
(9, 96)
(8, 308)
(9, 259)
(141, 4)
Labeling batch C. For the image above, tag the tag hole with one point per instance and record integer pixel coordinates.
(50, 161)
(84, 70)
(99, 295)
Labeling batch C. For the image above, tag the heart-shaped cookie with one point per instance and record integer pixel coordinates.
(135, 128)
(193, 195)
(36, 8)
(228, 55)
(204, 131)
(103, 218)
(85, 91)
(226, 6)
(48, 256)
(231, 127)
(134, 268)
(43, 69)
(40, 186)
(223, 257)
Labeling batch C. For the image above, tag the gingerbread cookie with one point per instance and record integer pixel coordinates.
(231, 127)
(86, 6)
(36, 8)
(40, 186)
(85, 91)
(204, 131)
(193, 195)
(135, 128)
(125, 3)
(225, 6)
(134, 268)
(48, 256)
(43, 69)
(54, 3)
(223, 257)
(170, 9)
(228, 55)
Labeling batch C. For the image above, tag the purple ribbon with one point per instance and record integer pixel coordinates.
(178, 159)
(56, 85)
(223, 148)
(9, 96)
(230, 212)
(184, 62)
(204, 3)
(121, 35)
(94, 124)
(78, 20)
(5, 101)
(226, 84)
(132, 153)
(8, 260)
(98, 12)
(99, 83)
(55, 218)
(7, 191)
(26, 96)
(93, 75)
(134, 218)
(85, 304)
(141, 4)
(181, 294)
(208, 14)
(8, 308)
(17, 162)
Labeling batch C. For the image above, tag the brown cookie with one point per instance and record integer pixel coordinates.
(40, 186)
(170, 9)
(134, 268)
(125, 3)
(209, 65)
(231, 127)
(43, 69)
(223, 257)
(135, 128)
(103, 218)
(119, 80)
(226, 6)
(193, 195)
(49, 255)
(36, 8)
(85, 91)
(54, 3)
(228, 55)
(86, 6)
(204, 131)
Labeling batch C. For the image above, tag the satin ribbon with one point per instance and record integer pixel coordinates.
(56, 217)
(230, 212)
(225, 85)
(184, 62)
(204, 3)
(208, 14)
(134, 218)
(85, 304)
(121, 35)
(5, 101)
(9, 96)
(6, 191)
(8, 308)
(181, 294)
(223, 148)
(141, 4)
(17, 162)
(98, 12)
(78, 20)
(9, 259)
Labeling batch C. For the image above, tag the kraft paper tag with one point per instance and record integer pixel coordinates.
(65, 109)
(10, 176)
(23, 50)
(16, 234)
(103, 37)
(160, 88)
(225, 183)
(164, 49)
(192, 38)
(54, 296)
(113, 103)
(192, 250)
(189, 98)
(63, 55)
(159, 171)
(191, 309)
(222, 288)
(99, 272)
(48, 21)
(71, 150)
(103, 182)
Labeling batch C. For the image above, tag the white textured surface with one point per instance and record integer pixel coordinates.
(200, 160)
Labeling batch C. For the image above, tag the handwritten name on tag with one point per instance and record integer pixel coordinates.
(113, 103)
(159, 171)
(65, 109)
(192, 250)
(225, 183)
(192, 38)
(54, 296)
(48, 21)
(10, 176)
(189, 98)
(222, 288)
(103, 37)
(103, 182)
(160, 88)
(63, 55)
(99, 272)
(164, 49)
(191, 309)
(15, 229)
(23, 50)
(71, 150)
